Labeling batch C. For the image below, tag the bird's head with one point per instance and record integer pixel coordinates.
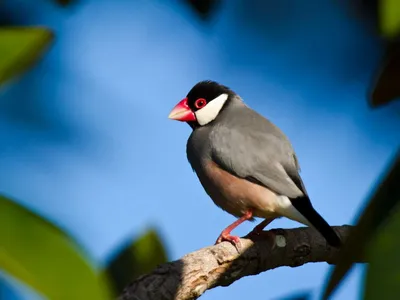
(202, 104)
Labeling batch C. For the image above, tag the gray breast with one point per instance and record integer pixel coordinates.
(198, 150)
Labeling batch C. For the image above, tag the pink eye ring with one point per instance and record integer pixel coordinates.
(200, 103)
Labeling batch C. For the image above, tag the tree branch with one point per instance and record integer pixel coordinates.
(221, 265)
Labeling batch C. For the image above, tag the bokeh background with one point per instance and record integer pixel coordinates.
(86, 142)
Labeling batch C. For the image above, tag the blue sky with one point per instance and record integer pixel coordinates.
(87, 142)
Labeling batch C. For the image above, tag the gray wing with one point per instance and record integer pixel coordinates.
(259, 152)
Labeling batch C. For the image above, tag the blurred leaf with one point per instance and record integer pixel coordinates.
(64, 2)
(387, 87)
(389, 18)
(40, 255)
(383, 272)
(365, 11)
(380, 207)
(298, 296)
(204, 8)
(138, 258)
(20, 48)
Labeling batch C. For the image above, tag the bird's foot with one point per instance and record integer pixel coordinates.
(259, 229)
(226, 233)
(233, 239)
(256, 231)
(260, 234)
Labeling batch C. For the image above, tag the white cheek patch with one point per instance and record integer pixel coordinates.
(209, 112)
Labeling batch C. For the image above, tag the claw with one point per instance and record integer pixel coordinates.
(233, 239)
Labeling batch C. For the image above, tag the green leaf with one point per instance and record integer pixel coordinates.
(43, 257)
(136, 259)
(383, 273)
(386, 87)
(20, 48)
(389, 17)
(380, 207)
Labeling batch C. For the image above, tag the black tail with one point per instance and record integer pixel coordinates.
(304, 206)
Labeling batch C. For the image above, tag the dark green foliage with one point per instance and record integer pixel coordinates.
(371, 229)
(138, 258)
(39, 254)
(21, 48)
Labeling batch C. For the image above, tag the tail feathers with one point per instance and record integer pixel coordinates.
(304, 206)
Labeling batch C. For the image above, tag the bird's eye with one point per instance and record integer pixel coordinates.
(199, 103)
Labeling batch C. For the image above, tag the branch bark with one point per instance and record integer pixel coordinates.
(221, 265)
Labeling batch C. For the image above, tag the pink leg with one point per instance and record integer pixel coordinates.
(259, 228)
(226, 233)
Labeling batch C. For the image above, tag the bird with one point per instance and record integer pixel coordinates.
(244, 162)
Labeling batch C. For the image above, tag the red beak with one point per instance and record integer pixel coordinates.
(182, 112)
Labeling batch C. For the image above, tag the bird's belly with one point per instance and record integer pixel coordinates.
(236, 195)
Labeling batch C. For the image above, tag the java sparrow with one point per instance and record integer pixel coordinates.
(244, 162)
